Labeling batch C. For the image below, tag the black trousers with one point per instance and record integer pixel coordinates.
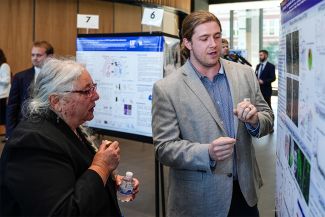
(3, 107)
(267, 98)
(239, 206)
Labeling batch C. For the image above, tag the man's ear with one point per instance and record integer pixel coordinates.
(187, 44)
(54, 101)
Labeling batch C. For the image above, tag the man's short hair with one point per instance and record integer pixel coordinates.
(44, 44)
(265, 52)
(190, 23)
(224, 41)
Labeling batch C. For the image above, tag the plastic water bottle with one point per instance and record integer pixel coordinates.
(124, 192)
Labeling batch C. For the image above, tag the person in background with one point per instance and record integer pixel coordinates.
(265, 73)
(224, 49)
(225, 52)
(41, 50)
(203, 119)
(5, 77)
(49, 165)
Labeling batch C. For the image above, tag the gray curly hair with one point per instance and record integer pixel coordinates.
(58, 74)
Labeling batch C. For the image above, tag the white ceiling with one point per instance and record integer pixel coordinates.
(244, 5)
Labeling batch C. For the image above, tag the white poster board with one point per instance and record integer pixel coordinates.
(125, 69)
(300, 163)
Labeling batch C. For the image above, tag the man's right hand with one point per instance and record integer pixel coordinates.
(221, 148)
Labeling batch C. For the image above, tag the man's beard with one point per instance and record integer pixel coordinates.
(205, 63)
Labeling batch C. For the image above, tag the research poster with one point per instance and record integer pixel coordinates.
(300, 154)
(125, 69)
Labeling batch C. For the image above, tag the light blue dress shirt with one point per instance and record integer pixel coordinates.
(220, 94)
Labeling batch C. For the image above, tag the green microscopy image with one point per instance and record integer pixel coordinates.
(301, 171)
(310, 59)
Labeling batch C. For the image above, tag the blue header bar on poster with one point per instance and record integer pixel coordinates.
(142, 43)
(292, 8)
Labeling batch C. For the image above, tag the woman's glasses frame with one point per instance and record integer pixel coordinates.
(89, 92)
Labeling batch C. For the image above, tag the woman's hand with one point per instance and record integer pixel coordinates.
(118, 182)
(106, 160)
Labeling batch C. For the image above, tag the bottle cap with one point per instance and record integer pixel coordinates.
(130, 174)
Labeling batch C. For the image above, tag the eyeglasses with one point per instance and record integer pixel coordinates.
(89, 92)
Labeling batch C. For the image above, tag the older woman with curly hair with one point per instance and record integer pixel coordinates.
(49, 166)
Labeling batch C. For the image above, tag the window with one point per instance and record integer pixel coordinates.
(271, 23)
(224, 17)
(271, 18)
(246, 30)
(271, 31)
(246, 33)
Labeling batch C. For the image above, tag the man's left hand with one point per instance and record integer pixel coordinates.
(260, 81)
(118, 182)
(246, 112)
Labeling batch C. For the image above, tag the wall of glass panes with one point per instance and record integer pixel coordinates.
(271, 27)
(246, 33)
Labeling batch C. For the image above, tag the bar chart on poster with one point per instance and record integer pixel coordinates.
(300, 163)
(125, 67)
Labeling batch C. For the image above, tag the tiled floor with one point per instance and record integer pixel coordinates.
(139, 159)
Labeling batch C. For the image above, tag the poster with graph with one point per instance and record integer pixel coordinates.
(125, 67)
(300, 163)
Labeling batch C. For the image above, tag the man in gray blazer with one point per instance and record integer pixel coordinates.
(203, 118)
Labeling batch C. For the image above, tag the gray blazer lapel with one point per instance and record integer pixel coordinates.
(232, 77)
(195, 84)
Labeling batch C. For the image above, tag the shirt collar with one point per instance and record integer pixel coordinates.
(264, 63)
(37, 70)
(221, 70)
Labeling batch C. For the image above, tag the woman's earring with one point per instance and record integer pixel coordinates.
(58, 117)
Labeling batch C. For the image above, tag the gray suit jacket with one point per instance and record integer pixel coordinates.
(184, 124)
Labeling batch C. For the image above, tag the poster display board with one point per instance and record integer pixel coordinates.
(300, 163)
(125, 67)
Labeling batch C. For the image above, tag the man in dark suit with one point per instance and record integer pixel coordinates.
(265, 73)
(22, 80)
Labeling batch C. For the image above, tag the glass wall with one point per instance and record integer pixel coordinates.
(247, 30)
(271, 25)
(224, 18)
(246, 33)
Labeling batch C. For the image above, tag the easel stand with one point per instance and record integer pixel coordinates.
(162, 187)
